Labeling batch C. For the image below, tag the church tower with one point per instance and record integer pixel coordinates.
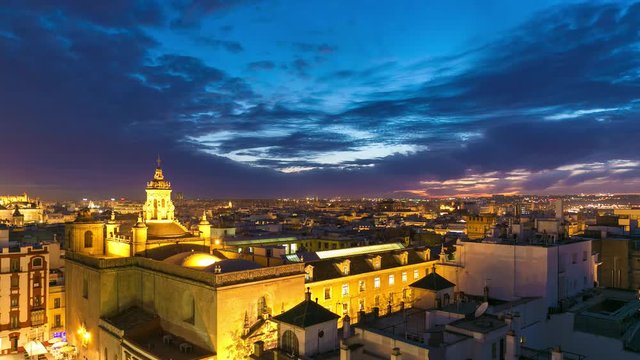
(204, 227)
(158, 206)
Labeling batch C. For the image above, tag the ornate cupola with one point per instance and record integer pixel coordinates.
(204, 226)
(158, 206)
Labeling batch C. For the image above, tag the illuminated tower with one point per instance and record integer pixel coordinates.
(158, 205)
(204, 226)
(139, 236)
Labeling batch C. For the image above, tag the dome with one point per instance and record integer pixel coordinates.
(194, 260)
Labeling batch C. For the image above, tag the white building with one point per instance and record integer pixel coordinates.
(510, 272)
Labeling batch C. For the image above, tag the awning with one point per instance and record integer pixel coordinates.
(34, 348)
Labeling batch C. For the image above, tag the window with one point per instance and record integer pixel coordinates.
(345, 290)
(361, 286)
(416, 274)
(494, 351)
(345, 309)
(85, 288)
(392, 279)
(361, 305)
(376, 283)
(14, 301)
(36, 280)
(15, 265)
(376, 301)
(56, 303)
(327, 293)
(13, 321)
(345, 269)
(36, 301)
(406, 294)
(37, 262)
(88, 239)
(15, 280)
(404, 276)
(57, 321)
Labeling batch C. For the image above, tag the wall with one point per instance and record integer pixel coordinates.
(335, 303)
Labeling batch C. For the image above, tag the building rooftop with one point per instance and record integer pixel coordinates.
(143, 330)
(307, 313)
(433, 282)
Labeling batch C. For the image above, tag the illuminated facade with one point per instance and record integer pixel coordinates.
(479, 227)
(161, 291)
(29, 210)
(350, 284)
(24, 277)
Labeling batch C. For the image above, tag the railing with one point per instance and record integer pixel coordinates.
(191, 274)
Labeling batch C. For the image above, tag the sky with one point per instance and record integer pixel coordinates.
(265, 99)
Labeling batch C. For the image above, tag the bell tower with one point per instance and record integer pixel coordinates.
(158, 206)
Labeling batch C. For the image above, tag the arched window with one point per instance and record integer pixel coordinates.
(446, 300)
(88, 239)
(37, 262)
(290, 343)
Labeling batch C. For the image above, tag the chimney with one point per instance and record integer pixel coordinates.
(512, 351)
(258, 348)
(395, 354)
(556, 353)
(346, 327)
(345, 352)
(307, 295)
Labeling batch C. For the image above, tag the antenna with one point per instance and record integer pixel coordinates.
(481, 309)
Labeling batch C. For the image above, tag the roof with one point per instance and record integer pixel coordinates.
(166, 230)
(327, 254)
(305, 314)
(433, 282)
(359, 264)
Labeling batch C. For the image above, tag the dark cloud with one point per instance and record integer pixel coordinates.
(231, 46)
(322, 49)
(261, 65)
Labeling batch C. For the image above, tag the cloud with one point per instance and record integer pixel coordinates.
(321, 49)
(231, 46)
(261, 65)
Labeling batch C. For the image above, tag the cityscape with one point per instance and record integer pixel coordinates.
(331, 180)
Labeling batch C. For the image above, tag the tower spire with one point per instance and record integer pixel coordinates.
(158, 161)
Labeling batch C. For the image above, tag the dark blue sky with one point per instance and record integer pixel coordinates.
(322, 98)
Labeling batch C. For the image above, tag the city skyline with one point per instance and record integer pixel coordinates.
(251, 99)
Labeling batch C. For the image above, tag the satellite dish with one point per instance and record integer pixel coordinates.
(481, 309)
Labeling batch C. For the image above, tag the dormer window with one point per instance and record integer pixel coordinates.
(308, 273)
(403, 258)
(344, 267)
(376, 262)
(37, 262)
